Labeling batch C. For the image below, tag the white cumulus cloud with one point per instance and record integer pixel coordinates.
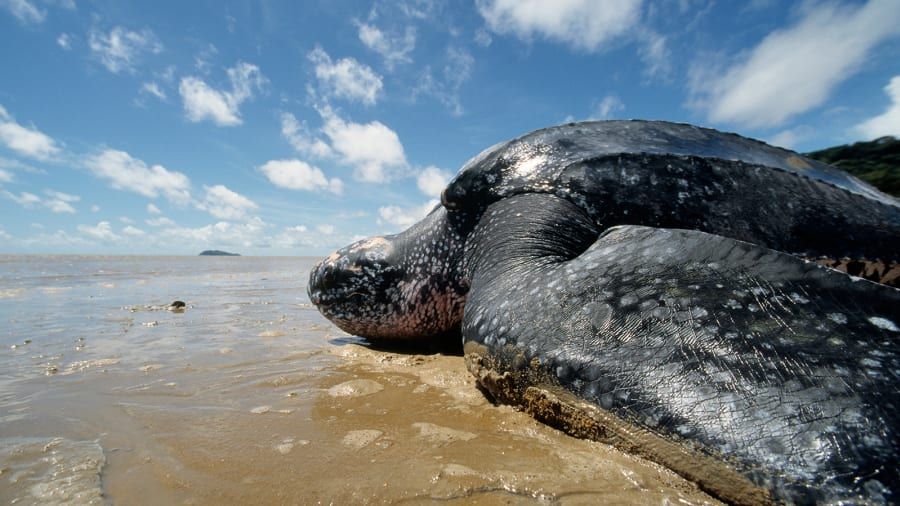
(222, 107)
(584, 24)
(888, 122)
(5, 176)
(608, 107)
(127, 173)
(299, 175)
(420, 9)
(299, 136)
(152, 209)
(225, 204)
(404, 217)
(654, 52)
(432, 181)
(24, 10)
(223, 233)
(65, 41)
(393, 48)
(102, 231)
(483, 38)
(59, 206)
(319, 237)
(120, 49)
(133, 231)
(296, 236)
(58, 202)
(346, 78)
(153, 88)
(17, 165)
(794, 69)
(372, 149)
(203, 102)
(445, 84)
(24, 199)
(161, 221)
(28, 141)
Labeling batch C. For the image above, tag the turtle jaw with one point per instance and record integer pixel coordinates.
(355, 287)
(399, 287)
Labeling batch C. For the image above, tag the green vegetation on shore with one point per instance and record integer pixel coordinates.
(876, 162)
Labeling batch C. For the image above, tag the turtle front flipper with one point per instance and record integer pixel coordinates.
(754, 373)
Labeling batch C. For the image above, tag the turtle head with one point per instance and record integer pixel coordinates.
(403, 286)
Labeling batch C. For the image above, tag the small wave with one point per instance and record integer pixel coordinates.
(51, 471)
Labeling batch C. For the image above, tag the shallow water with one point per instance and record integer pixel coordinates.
(250, 396)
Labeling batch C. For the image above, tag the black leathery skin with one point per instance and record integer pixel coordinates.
(534, 159)
(642, 173)
(787, 369)
(395, 287)
(651, 269)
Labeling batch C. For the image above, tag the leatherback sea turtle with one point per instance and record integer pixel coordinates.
(649, 284)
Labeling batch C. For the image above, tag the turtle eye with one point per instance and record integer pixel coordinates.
(450, 197)
(465, 187)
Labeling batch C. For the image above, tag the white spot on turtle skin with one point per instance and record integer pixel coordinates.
(868, 362)
(733, 304)
(883, 323)
(661, 312)
(838, 318)
(799, 299)
(627, 300)
(758, 291)
(648, 305)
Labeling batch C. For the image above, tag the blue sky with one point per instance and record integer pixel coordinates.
(292, 128)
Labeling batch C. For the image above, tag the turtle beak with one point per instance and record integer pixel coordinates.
(322, 277)
(348, 271)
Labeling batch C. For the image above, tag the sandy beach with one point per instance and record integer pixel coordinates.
(250, 396)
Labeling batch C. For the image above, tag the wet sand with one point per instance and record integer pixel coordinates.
(249, 396)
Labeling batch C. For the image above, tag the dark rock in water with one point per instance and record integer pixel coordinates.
(218, 253)
(177, 306)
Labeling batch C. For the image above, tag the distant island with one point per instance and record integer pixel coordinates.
(218, 253)
(876, 162)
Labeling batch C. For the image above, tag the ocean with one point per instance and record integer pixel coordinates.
(250, 396)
